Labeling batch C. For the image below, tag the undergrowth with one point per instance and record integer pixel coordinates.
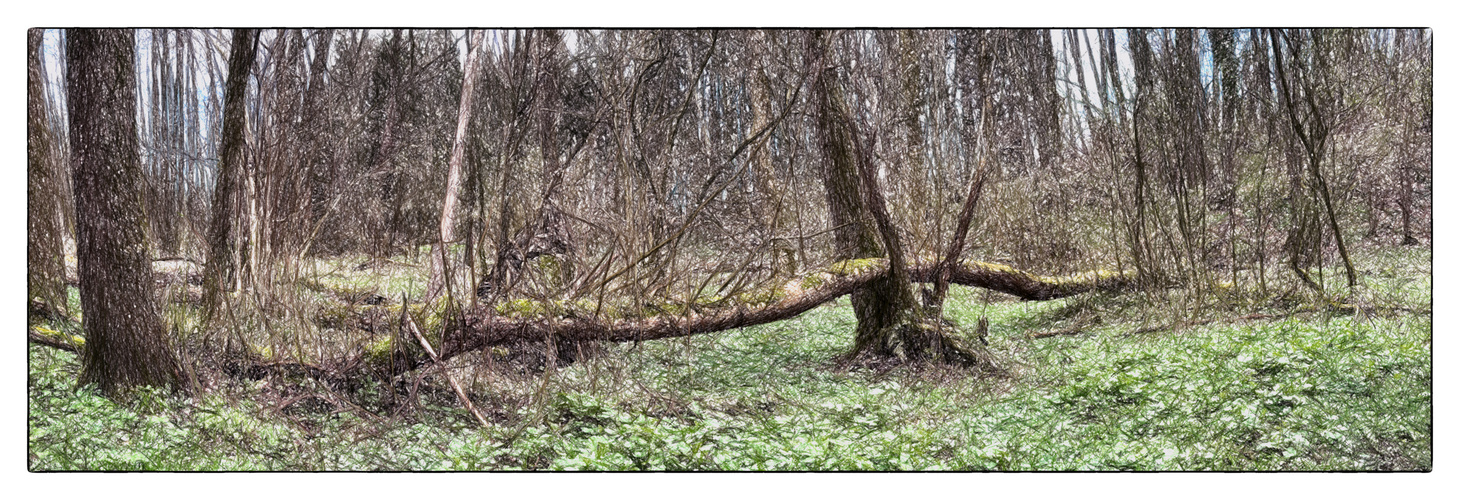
(1135, 385)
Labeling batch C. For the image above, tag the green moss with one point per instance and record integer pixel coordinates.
(76, 340)
(379, 350)
(993, 267)
(521, 308)
(812, 280)
(673, 309)
(1087, 277)
(760, 297)
(851, 267)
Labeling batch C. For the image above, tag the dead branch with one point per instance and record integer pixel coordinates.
(411, 325)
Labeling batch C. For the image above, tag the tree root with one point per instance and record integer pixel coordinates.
(925, 341)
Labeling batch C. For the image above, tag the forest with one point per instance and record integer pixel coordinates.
(744, 250)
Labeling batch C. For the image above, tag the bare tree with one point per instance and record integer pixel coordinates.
(441, 275)
(1312, 132)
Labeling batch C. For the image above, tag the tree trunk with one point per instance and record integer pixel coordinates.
(441, 276)
(548, 235)
(46, 269)
(125, 346)
(975, 189)
(882, 302)
(218, 272)
(889, 322)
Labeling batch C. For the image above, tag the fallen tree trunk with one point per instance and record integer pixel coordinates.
(481, 328)
(1026, 285)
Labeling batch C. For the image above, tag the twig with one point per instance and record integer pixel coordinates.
(1074, 330)
(432, 352)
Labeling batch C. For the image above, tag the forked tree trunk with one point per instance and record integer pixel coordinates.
(883, 301)
(889, 321)
(125, 346)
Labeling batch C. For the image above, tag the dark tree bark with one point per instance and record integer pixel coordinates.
(125, 346)
(218, 272)
(46, 269)
(1111, 70)
(1141, 252)
(881, 303)
(889, 321)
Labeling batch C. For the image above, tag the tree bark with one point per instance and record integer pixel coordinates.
(125, 346)
(441, 275)
(882, 302)
(889, 322)
(46, 269)
(219, 269)
(975, 187)
(944, 272)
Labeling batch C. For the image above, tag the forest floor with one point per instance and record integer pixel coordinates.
(1141, 381)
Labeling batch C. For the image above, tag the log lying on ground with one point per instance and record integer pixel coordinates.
(479, 329)
(1025, 285)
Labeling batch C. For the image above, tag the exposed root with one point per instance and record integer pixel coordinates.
(925, 341)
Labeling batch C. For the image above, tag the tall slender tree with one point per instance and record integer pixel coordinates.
(440, 266)
(218, 271)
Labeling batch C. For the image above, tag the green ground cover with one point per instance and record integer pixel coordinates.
(1321, 390)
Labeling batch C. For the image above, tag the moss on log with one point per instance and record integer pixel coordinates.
(483, 328)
